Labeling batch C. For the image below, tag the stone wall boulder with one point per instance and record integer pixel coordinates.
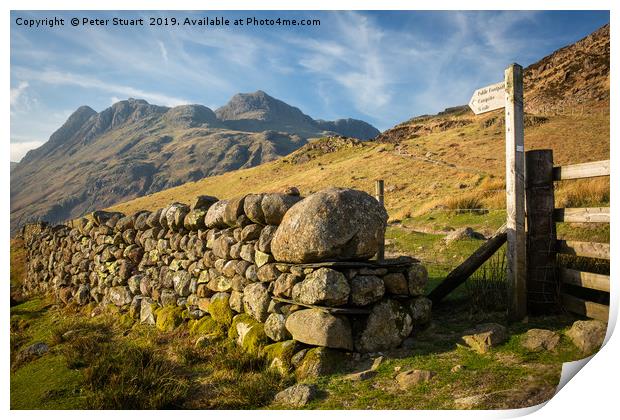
(195, 219)
(366, 290)
(275, 206)
(323, 287)
(233, 210)
(110, 218)
(332, 224)
(215, 215)
(319, 328)
(175, 215)
(203, 202)
(252, 207)
(388, 324)
(256, 301)
(120, 295)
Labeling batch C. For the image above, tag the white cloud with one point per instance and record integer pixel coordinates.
(17, 92)
(19, 150)
(355, 59)
(62, 78)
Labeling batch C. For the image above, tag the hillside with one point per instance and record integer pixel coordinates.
(433, 161)
(135, 148)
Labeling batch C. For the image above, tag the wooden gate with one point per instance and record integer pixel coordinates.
(548, 284)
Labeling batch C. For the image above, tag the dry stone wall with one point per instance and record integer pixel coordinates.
(262, 268)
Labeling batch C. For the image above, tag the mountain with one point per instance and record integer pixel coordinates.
(134, 148)
(434, 161)
(258, 111)
(13, 164)
(570, 77)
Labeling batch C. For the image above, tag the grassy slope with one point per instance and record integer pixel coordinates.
(454, 162)
(222, 376)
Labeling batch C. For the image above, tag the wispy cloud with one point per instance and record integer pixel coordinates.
(63, 78)
(17, 91)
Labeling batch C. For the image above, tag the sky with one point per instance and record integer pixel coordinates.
(381, 67)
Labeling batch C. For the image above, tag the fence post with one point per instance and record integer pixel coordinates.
(515, 194)
(379, 197)
(542, 285)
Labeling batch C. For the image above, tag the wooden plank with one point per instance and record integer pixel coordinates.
(582, 215)
(581, 170)
(345, 311)
(461, 273)
(584, 249)
(586, 308)
(515, 194)
(584, 279)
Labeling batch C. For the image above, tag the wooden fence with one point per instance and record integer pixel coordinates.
(547, 282)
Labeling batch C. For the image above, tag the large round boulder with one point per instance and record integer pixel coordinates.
(319, 328)
(335, 223)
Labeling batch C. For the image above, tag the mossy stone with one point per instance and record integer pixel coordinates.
(233, 334)
(206, 326)
(249, 333)
(320, 361)
(255, 339)
(168, 318)
(219, 308)
(280, 354)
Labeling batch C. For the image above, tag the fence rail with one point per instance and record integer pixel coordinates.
(584, 249)
(582, 215)
(581, 170)
(586, 308)
(584, 279)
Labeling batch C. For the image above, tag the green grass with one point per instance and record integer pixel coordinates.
(96, 363)
(47, 383)
(587, 232)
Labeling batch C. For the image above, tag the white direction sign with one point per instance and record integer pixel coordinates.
(488, 98)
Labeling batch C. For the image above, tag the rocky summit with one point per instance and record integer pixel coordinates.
(134, 148)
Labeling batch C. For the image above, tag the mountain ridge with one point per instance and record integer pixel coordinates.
(134, 148)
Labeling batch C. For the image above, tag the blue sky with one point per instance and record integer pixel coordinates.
(382, 67)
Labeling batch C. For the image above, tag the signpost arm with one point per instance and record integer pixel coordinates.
(515, 194)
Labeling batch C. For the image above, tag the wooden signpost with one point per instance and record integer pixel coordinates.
(488, 98)
(509, 95)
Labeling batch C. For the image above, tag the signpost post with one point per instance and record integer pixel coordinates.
(509, 95)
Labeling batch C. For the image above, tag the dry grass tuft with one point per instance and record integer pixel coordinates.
(583, 193)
